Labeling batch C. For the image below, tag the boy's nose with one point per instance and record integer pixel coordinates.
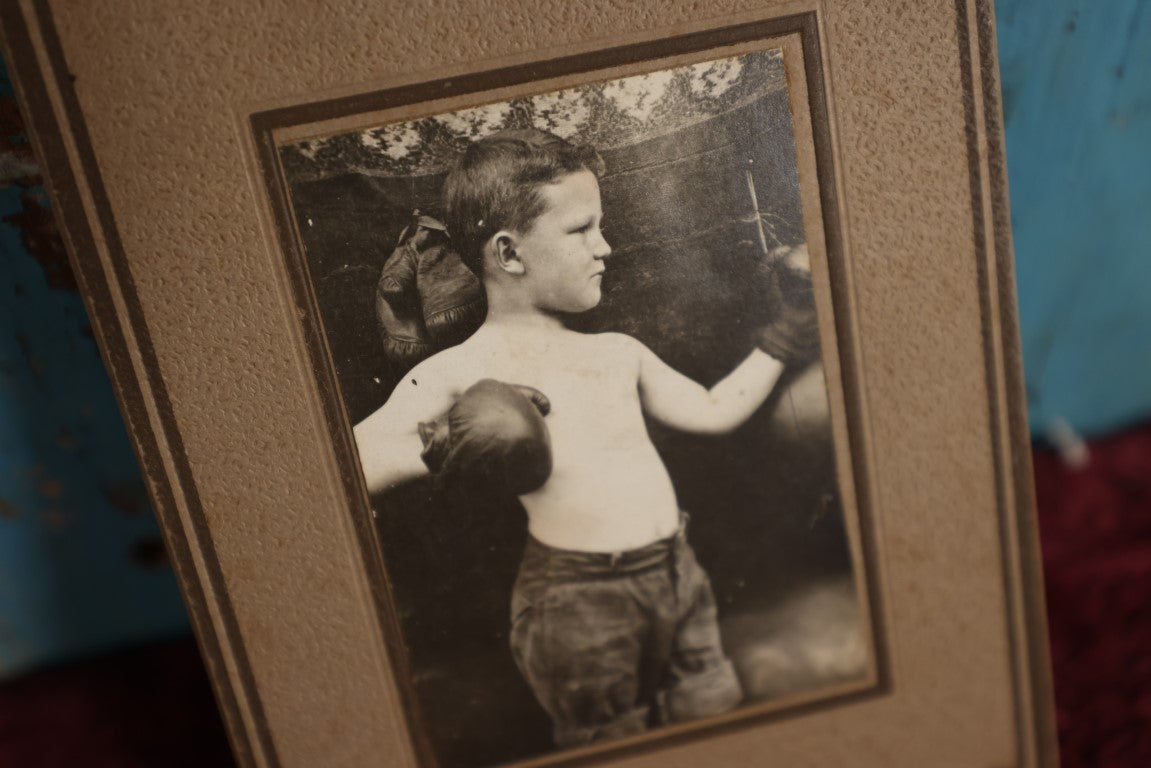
(602, 249)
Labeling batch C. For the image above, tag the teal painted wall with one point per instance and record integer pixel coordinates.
(1077, 105)
(82, 567)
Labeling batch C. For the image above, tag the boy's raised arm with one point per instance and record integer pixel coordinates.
(389, 441)
(790, 337)
(488, 431)
(677, 401)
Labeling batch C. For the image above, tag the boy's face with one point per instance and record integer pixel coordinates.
(563, 250)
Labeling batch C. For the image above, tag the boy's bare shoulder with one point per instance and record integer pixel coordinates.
(447, 369)
(615, 348)
(493, 354)
(621, 343)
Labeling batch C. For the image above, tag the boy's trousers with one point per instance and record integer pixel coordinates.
(611, 643)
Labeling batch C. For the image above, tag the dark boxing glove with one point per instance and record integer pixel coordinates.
(792, 334)
(494, 435)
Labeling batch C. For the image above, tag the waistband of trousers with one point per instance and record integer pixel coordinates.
(609, 563)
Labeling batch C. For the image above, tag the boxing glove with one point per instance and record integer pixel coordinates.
(451, 296)
(401, 324)
(493, 435)
(792, 337)
(792, 332)
(426, 299)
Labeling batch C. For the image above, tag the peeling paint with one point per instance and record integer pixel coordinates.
(14, 167)
(129, 498)
(30, 357)
(17, 162)
(149, 552)
(56, 519)
(65, 441)
(51, 489)
(40, 237)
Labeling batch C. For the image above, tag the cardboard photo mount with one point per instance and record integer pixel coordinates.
(147, 118)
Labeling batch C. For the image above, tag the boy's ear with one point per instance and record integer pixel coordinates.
(503, 246)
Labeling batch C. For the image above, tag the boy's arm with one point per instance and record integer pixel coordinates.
(677, 401)
(389, 441)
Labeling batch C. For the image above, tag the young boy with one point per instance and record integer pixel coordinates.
(613, 620)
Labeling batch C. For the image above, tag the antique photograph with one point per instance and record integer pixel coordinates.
(586, 360)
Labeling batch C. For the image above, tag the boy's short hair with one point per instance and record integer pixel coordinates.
(496, 185)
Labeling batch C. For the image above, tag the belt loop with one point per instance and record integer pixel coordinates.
(614, 560)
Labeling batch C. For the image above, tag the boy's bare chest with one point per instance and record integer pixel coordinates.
(590, 390)
(589, 396)
(595, 413)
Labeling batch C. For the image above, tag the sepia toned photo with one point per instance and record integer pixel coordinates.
(586, 344)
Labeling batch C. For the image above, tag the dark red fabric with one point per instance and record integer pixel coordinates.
(147, 707)
(152, 706)
(1095, 525)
